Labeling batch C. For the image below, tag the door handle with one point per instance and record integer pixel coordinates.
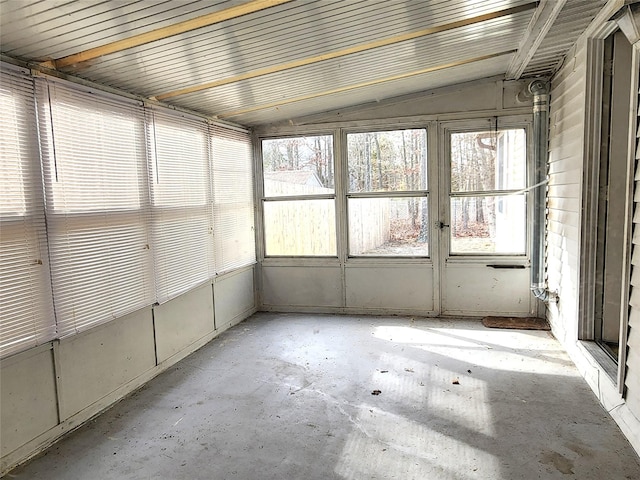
(441, 225)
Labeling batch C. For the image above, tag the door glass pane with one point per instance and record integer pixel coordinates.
(300, 227)
(488, 160)
(385, 226)
(298, 166)
(388, 161)
(490, 224)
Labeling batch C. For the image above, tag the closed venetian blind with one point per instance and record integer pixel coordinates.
(94, 161)
(181, 199)
(26, 310)
(233, 210)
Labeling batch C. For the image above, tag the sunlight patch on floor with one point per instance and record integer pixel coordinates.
(405, 449)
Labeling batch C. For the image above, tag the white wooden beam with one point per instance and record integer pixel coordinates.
(540, 24)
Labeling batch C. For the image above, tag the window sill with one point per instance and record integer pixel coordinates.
(604, 361)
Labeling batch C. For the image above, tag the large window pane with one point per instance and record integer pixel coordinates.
(300, 227)
(382, 226)
(387, 161)
(488, 160)
(298, 166)
(490, 224)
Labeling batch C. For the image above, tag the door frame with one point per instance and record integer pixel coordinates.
(445, 258)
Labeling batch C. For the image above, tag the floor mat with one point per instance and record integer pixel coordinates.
(527, 323)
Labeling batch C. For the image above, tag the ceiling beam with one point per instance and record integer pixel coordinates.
(540, 24)
(164, 32)
(348, 51)
(435, 68)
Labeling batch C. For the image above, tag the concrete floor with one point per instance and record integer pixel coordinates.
(287, 396)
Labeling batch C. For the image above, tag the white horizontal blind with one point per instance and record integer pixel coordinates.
(26, 309)
(94, 162)
(181, 199)
(233, 208)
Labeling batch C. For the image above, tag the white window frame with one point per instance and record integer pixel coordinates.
(26, 303)
(485, 124)
(182, 260)
(420, 193)
(66, 289)
(589, 223)
(231, 160)
(263, 199)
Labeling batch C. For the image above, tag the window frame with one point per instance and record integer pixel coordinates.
(175, 208)
(218, 135)
(68, 222)
(263, 199)
(99, 217)
(27, 228)
(595, 51)
(392, 194)
(485, 124)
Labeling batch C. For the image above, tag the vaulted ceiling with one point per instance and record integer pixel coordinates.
(259, 61)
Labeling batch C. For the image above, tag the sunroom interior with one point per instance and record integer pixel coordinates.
(173, 169)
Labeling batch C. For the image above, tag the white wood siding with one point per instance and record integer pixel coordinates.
(570, 121)
(566, 154)
(632, 379)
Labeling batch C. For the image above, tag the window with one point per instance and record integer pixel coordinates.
(299, 196)
(387, 198)
(487, 198)
(613, 195)
(130, 196)
(26, 309)
(233, 189)
(181, 201)
(94, 161)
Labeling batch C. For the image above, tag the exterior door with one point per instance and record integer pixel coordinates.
(484, 207)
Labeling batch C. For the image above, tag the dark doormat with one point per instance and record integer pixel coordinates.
(527, 323)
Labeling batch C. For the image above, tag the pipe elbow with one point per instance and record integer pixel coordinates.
(545, 295)
(538, 87)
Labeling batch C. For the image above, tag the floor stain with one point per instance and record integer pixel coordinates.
(560, 462)
(579, 449)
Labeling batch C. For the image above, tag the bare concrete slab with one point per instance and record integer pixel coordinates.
(288, 396)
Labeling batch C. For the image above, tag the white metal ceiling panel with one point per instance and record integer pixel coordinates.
(575, 16)
(274, 59)
(282, 34)
(454, 75)
(494, 37)
(46, 29)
